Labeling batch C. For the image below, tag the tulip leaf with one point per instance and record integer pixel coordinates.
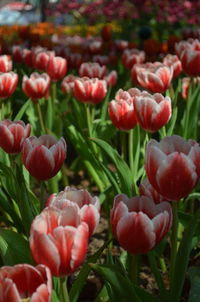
(82, 276)
(22, 110)
(14, 248)
(125, 175)
(194, 275)
(182, 258)
(172, 122)
(120, 284)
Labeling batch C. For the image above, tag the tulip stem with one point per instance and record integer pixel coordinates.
(133, 265)
(174, 236)
(41, 120)
(64, 291)
(123, 145)
(42, 190)
(130, 147)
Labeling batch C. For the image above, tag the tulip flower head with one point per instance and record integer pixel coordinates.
(24, 282)
(132, 56)
(174, 62)
(59, 240)
(152, 111)
(92, 70)
(5, 63)
(91, 91)
(8, 83)
(43, 156)
(121, 110)
(89, 206)
(172, 166)
(37, 86)
(13, 135)
(56, 68)
(138, 223)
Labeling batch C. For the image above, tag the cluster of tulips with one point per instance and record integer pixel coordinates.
(134, 130)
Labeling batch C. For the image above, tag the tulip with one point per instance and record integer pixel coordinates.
(174, 62)
(92, 70)
(67, 84)
(37, 86)
(146, 189)
(173, 166)
(5, 63)
(91, 91)
(24, 282)
(152, 111)
(156, 77)
(59, 240)
(8, 83)
(88, 206)
(43, 156)
(41, 59)
(132, 56)
(190, 59)
(27, 57)
(121, 45)
(121, 110)
(186, 84)
(56, 68)
(111, 78)
(13, 135)
(138, 223)
(17, 54)
(101, 60)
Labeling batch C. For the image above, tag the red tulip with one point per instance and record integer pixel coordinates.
(138, 223)
(101, 60)
(57, 68)
(186, 84)
(146, 189)
(8, 83)
(132, 56)
(121, 110)
(152, 111)
(111, 78)
(5, 63)
(92, 70)
(41, 59)
(190, 59)
(27, 57)
(121, 44)
(37, 86)
(58, 239)
(43, 156)
(17, 54)
(88, 206)
(155, 77)
(173, 166)
(24, 282)
(12, 135)
(91, 91)
(67, 84)
(174, 62)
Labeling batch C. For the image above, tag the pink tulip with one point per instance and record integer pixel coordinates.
(5, 63)
(13, 135)
(138, 223)
(23, 282)
(59, 240)
(56, 68)
(146, 189)
(121, 110)
(91, 91)
(37, 86)
(132, 56)
(43, 156)
(173, 166)
(8, 83)
(67, 84)
(88, 206)
(152, 111)
(92, 70)
(174, 62)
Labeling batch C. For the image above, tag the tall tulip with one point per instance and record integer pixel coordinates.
(8, 83)
(56, 68)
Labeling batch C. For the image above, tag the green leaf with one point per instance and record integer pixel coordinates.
(194, 275)
(14, 248)
(125, 176)
(172, 123)
(22, 110)
(122, 286)
(84, 272)
(182, 259)
(54, 297)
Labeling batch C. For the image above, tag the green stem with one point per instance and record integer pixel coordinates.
(42, 190)
(130, 149)
(41, 120)
(162, 264)
(157, 275)
(88, 119)
(94, 175)
(65, 179)
(174, 237)
(163, 132)
(64, 292)
(53, 185)
(133, 265)
(123, 145)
